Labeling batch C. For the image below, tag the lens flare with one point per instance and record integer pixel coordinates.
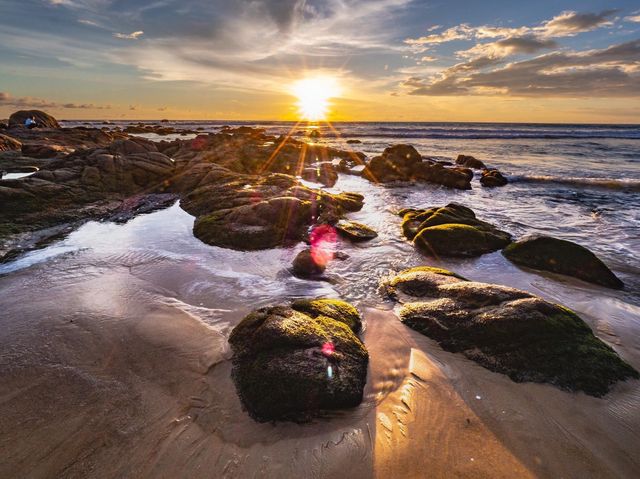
(323, 241)
(313, 96)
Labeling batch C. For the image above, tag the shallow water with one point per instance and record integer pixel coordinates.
(152, 275)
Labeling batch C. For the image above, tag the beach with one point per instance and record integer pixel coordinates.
(116, 360)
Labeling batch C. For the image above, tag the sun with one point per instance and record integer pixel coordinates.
(313, 95)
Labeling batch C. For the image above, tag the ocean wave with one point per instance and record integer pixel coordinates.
(627, 184)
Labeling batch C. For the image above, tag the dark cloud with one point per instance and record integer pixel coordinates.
(30, 102)
(528, 44)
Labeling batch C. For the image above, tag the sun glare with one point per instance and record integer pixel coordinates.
(313, 97)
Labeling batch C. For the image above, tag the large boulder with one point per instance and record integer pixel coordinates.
(291, 363)
(507, 331)
(42, 119)
(561, 256)
(404, 163)
(452, 230)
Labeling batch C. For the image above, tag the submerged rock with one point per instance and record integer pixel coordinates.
(563, 257)
(42, 119)
(492, 178)
(469, 161)
(355, 231)
(452, 230)
(404, 163)
(291, 363)
(507, 331)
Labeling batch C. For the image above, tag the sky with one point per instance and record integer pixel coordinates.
(395, 60)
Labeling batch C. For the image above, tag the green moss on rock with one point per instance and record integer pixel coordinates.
(291, 365)
(563, 257)
(331, 308)
(509, 331)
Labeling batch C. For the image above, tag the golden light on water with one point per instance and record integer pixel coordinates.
(314, 95)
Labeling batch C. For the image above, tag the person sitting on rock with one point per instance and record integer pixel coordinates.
(30, 122)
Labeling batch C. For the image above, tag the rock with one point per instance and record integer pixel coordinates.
(314, 134)
(324, 174)
(292, 365)
(266, 224)
(353, 142)
(331, 308)
(470, 162)
(492, 178)
(563, 257)
(452, 230)
(507, 331)
(44, 151)
(404, 163)
(355, 231)
(8, 143)
(306, 266)
(43, 120)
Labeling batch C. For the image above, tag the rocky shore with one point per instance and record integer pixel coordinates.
(252, 191)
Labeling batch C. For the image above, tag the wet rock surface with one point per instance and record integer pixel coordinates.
(404, 163)
(491, 178)
(293, 362)
(507, 330)
(452, 230)
(355, 231)
(563, 257)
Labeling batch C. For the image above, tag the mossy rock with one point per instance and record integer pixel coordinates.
(305, 265)
(459, 240)
(563, 257)
(355, 231)
(452, 230)
(331, 308)
(290, 365)
(509, 331)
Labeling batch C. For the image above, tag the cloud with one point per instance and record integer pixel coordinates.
(607, 72)
(633, 18)
(129, 36)
(571, 23)
(565, 24)
(30, 102)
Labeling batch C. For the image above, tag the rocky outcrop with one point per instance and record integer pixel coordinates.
(452, 230)
(563, 257)
(42, 119)
(507, 331)
(293, 362)
(404, 163)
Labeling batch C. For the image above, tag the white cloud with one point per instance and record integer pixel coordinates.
(129, 36)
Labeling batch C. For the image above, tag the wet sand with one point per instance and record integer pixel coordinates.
(104, 374)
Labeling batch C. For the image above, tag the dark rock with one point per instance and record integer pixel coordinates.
(42, 119)
(355, 231)
(8, 143)
(492, 178)
(306, 266)
(452, 230)
(470, 162)
(292, 365)
(324, 174)
(404, 163)
(353, 142)
(507, 331)
(42, 151)
(563, 257)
